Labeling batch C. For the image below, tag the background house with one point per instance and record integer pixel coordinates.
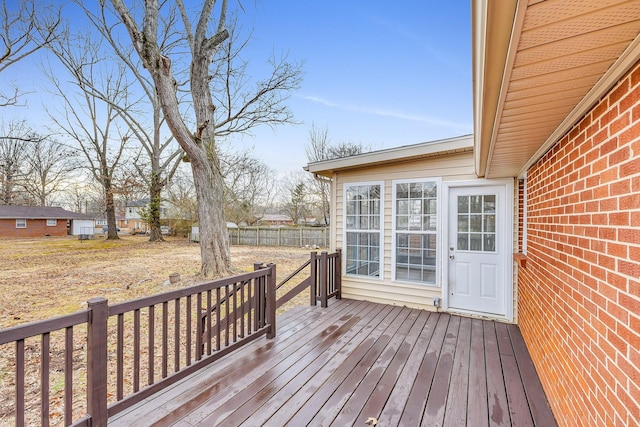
(275, 220)
(40, 221)
(132, 215)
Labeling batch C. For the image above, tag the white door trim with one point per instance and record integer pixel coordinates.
(506, 230)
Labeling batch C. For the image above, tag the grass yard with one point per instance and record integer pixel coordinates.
(41, 278)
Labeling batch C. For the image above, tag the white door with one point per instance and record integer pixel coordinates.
(477, 234)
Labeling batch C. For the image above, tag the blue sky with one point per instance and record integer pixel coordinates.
(376, 73)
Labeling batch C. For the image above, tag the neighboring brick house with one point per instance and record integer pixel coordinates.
(40, 221)
(555, 158)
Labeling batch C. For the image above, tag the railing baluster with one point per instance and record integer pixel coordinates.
(323, 280)
(209, 319)
(199, 326)
(235, 312)
(165, 338)
(176, 340)
(250, 306)
(136, 350)
(242, 309)
(151, 369)
(68, 376)
(271, 300)
(314, 279)
(218, 308)
(44, 378)
(188, 321)
(226, 315)
(120, 357)
(19, 382)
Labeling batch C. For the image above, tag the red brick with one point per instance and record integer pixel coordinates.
(630, 168)
(620, 123)
(630, 100)
(630, 202)
(619, 219)
(630, 302)
(629, 268)
(619, 92)
(629, 235)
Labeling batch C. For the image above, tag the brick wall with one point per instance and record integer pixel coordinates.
(579, 295)
(35, 228)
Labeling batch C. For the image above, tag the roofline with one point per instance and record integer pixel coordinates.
(442, 146)
(489, 59)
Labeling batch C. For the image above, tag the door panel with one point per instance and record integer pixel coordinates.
(476, 250)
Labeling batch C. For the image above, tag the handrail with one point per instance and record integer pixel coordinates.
(251, 296)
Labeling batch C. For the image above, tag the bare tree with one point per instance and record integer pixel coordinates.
(250, 187)
(259, 106)
(26, 27)
(160, 156)
(319, 149)
(50, 165)
(13, 162)
(88, 121)
(295, 196)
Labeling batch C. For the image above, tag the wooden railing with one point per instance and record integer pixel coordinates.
(133, 349)
(136, 348)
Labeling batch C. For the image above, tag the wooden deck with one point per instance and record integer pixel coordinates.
(341, 365)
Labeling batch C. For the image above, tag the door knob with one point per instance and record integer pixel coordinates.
(451, 256)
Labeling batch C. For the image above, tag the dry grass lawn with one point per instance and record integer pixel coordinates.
(41, 278)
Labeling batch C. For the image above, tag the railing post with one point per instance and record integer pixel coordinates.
(314, 278)
(338, 273)
(271, 300)
(323, 279)
(97, 362)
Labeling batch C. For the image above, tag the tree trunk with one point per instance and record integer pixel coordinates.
(214, 238)
(112, 232)
(155, 234)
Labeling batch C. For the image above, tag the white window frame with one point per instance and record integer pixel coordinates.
(380, 231)
(21, 223)
(438, 232)
(52, 222)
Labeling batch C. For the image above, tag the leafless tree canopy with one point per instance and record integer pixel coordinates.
(27, 26)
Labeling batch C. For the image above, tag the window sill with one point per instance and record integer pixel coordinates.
(521, 259)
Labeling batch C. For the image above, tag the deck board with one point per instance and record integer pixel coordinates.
(354, 360)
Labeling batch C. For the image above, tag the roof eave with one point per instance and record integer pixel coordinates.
(445, 146)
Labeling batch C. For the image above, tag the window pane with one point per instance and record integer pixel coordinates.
(402, 191)
(463, 241)
(463, 222)
(463, 204)
(490, 223)
(475, 204)
(363, 254)
(475, 223)
(415, 190)
(490, 203)
(402, 207)
(402, 222)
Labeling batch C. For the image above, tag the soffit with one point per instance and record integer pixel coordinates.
(559, 49)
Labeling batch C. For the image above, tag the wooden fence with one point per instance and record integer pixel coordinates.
(309, 237)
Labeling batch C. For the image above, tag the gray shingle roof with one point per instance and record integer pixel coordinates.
(38, 212)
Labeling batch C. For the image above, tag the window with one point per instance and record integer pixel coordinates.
(477, 223)
(101, 222)
(21, 223)
(52, 222)
(363, 229)
(416, 231)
